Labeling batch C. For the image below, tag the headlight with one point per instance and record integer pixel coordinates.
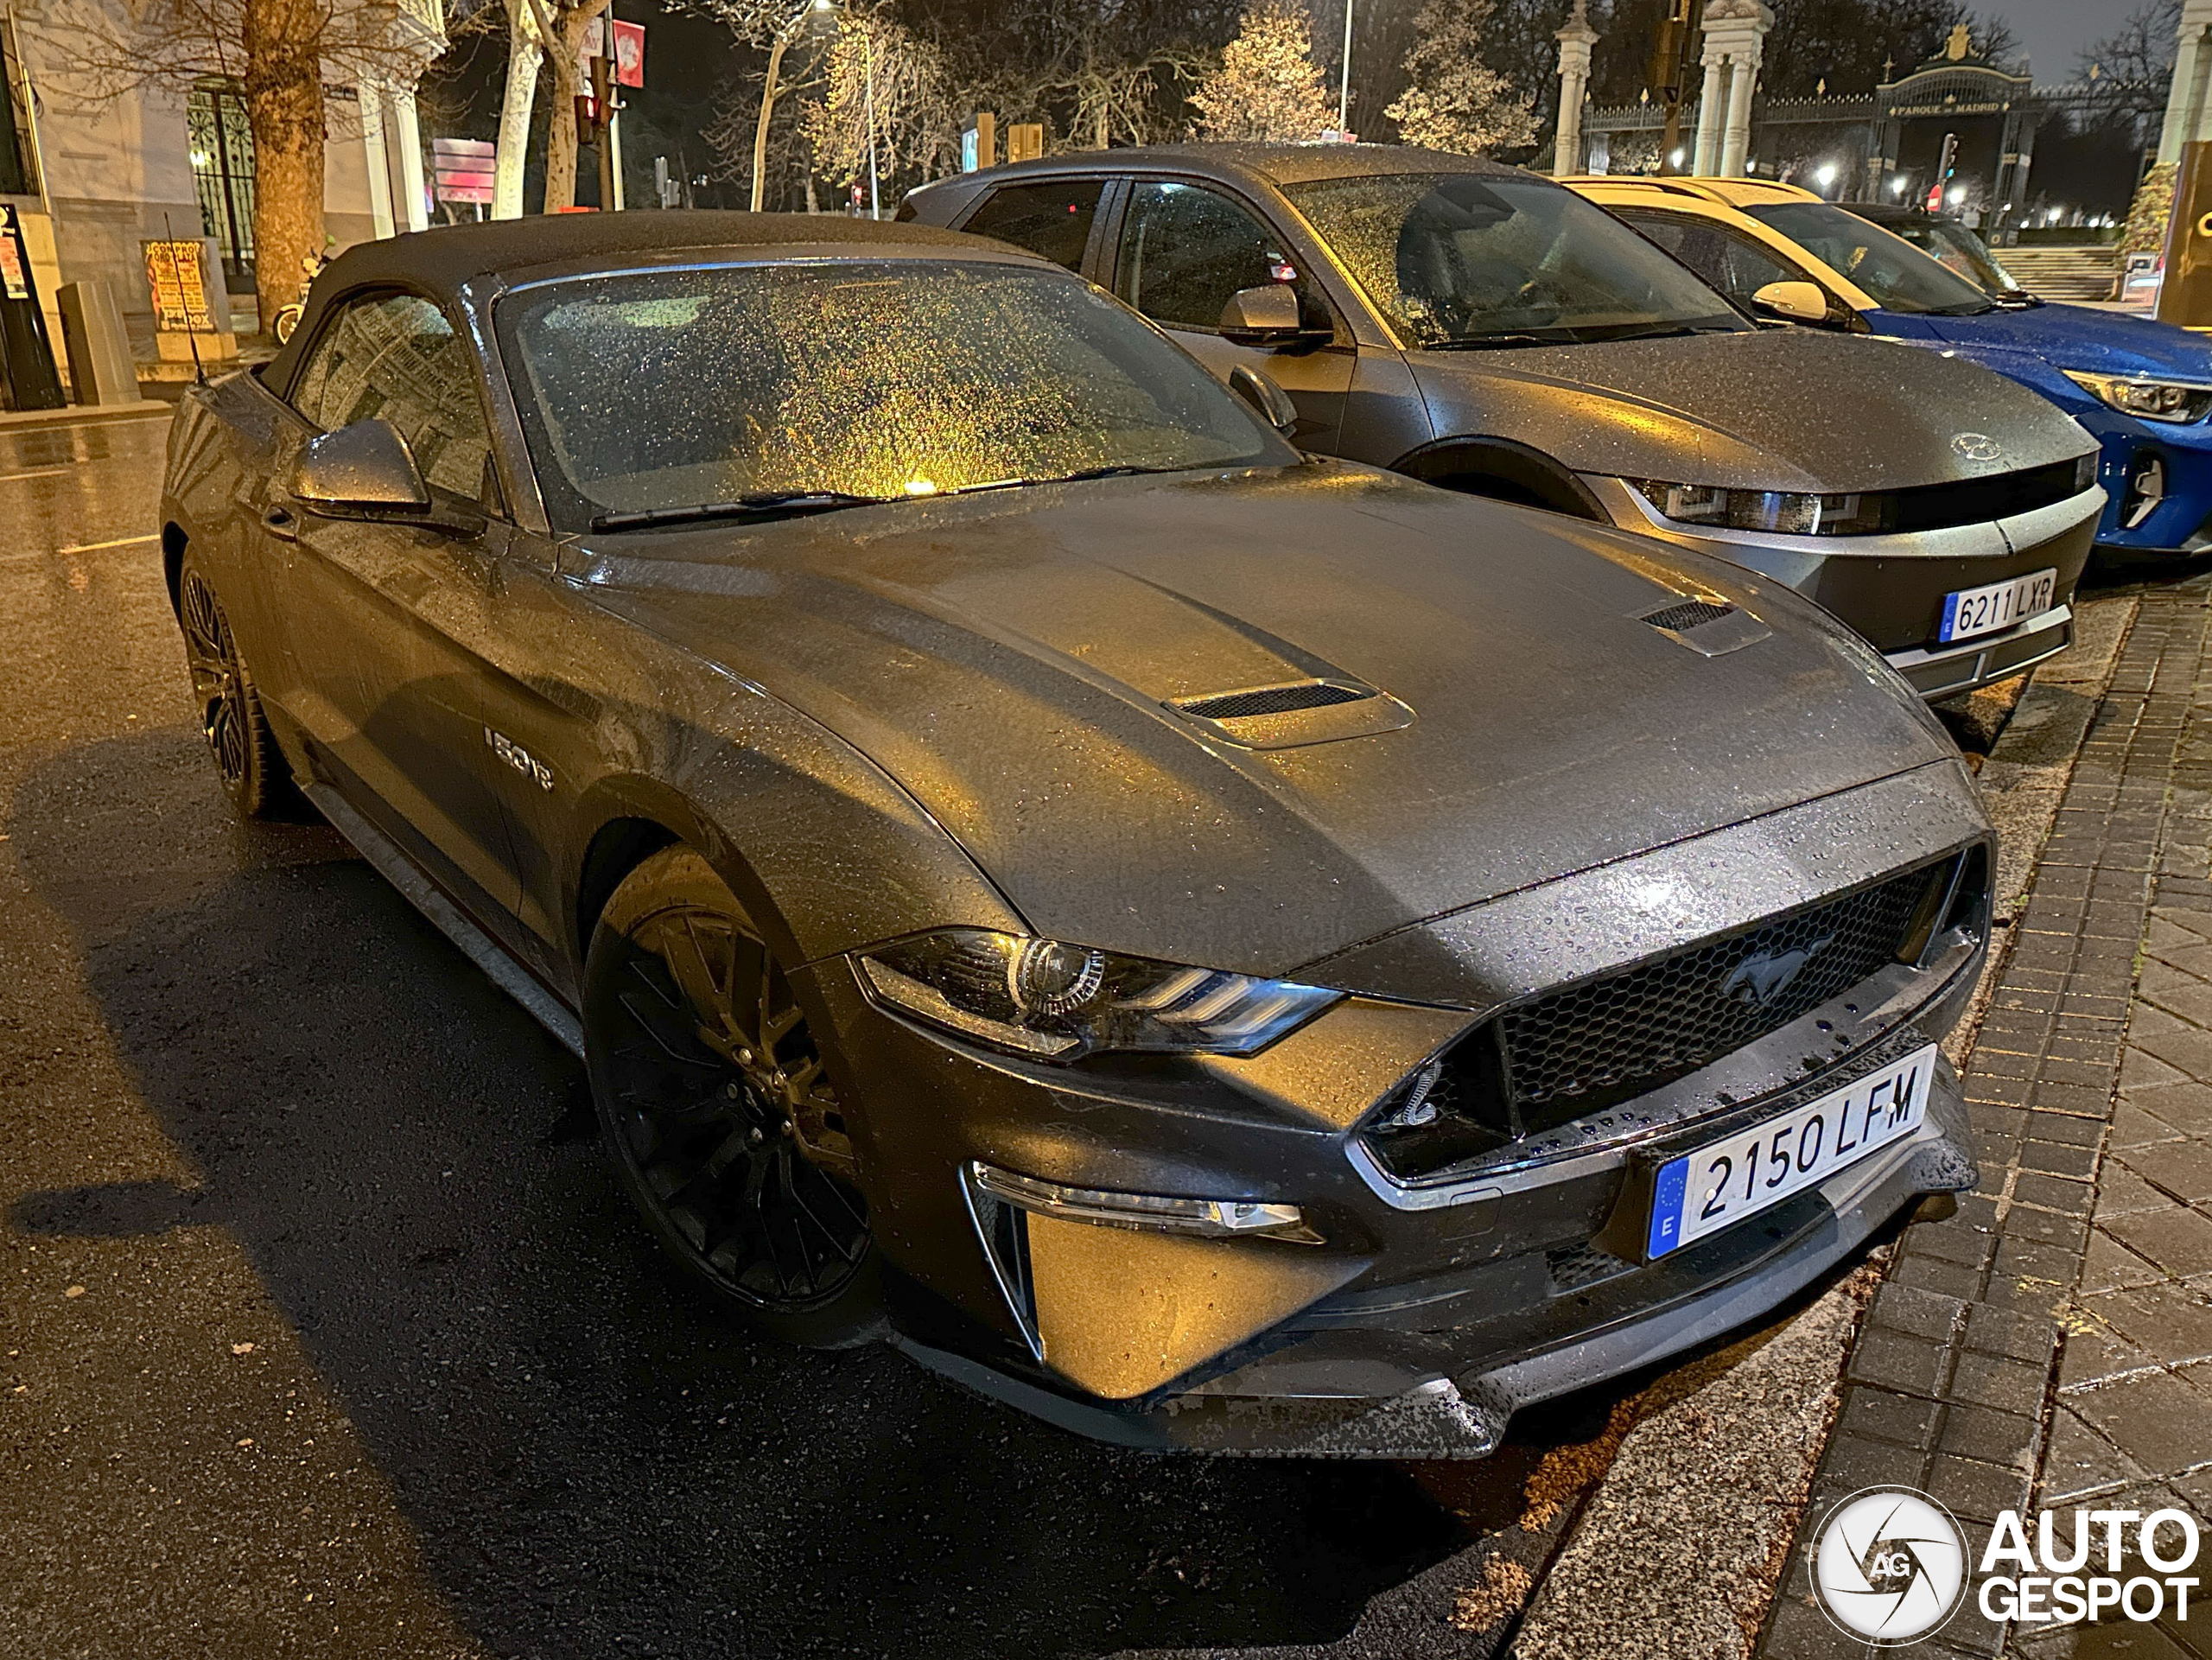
(2173, 401)
(1781, 513)
(1057, 1001)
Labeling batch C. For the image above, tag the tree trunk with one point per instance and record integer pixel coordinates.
(523, 56)
(568, 29)
(283, 105)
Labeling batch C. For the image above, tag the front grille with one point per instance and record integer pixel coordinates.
(1272, 700)
(1585, 1048)
(1975, 501)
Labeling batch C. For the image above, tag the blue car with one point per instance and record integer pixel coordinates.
(2144, 389)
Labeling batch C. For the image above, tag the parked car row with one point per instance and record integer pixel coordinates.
(1485, 329)
(1059, 846)
(2142, 388)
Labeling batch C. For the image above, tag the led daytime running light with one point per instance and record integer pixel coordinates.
(1210, 1218)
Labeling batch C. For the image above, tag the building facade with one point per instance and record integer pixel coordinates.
(94, 174)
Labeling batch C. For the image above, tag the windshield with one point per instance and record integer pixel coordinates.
(1958, 250)
(1894, 273)
(650, 392)
(1458, 259)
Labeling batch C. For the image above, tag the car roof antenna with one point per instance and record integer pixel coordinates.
(191, 334)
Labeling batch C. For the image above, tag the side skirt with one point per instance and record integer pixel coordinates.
(505, 971)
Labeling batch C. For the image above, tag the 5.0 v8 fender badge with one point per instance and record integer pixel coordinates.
(518, 757)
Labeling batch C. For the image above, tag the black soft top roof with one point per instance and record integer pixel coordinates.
(442, 259)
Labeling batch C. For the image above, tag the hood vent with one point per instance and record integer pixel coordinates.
(1301, 712)
(1708, 626)
(1688, 614)
(1273, 699)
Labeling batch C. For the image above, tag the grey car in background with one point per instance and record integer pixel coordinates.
(1481, 327)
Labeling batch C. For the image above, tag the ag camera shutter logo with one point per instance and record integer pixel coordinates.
(1890, 1566)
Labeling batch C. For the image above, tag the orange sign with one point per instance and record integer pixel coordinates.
(173, 271)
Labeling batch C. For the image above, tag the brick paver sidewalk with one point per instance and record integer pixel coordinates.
(2052, 1342)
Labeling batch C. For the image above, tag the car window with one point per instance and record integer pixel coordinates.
(1186, 250)
(1959, 249)
(1475, 261)
(396, 356)
(1897, 276)
(1727, 258)
(1051, 219)
(655, 392)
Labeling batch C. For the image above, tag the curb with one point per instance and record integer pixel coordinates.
(84, 415)
(1950, 1380)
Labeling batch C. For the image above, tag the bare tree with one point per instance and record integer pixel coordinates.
(2128, 71)
(278, 53)
(1267, 84)
(1113, 96)
(1454, 101)
(886, 94)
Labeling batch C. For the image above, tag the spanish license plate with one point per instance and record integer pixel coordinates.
(1763, 1164)
(1984, 610)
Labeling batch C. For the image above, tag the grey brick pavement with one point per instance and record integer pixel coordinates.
(2053, 1340)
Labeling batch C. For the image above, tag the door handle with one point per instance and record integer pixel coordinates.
(279, 522)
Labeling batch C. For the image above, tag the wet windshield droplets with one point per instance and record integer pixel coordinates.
(650, 395)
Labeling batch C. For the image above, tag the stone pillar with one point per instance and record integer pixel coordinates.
(1735, 140)
(2185, 99)
(1575, 43)
(369, 95)
(1711, 103)
(1735, 34)
(414, 211)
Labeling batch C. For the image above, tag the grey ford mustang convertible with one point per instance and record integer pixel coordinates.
(1225, 950)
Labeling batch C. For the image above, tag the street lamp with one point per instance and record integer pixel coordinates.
(784, 36)
(1344, 84)
(1825, 174)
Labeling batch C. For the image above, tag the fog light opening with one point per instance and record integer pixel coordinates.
(2146, 489)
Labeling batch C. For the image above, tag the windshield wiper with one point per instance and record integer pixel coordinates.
(1483, 342)
(1064, 478)
(767, 504)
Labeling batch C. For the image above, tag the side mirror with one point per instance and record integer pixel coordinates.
(1262, 316)
(362, 471)
(1801, 303)
(1261, 392)
(367, 471)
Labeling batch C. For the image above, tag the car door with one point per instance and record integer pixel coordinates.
(1729, 261)
(391, 620)
(1184, 249)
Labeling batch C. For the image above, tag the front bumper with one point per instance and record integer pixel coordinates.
(2157, 480)
(1433, 1310)
(1348, 1391)
(1891, 588)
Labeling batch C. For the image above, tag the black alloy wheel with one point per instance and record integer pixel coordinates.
(254, 773)
(717, 1107)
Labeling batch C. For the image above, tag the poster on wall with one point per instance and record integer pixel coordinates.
(15, 269)
(179, 290)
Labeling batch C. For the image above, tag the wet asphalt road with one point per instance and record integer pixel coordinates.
(323, 1330)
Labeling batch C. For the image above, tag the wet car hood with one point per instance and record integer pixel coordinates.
(2075, 337)
(1771, 409)
(1008, 657)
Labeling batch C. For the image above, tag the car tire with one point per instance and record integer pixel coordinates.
(254, 773)
(717, 1110)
